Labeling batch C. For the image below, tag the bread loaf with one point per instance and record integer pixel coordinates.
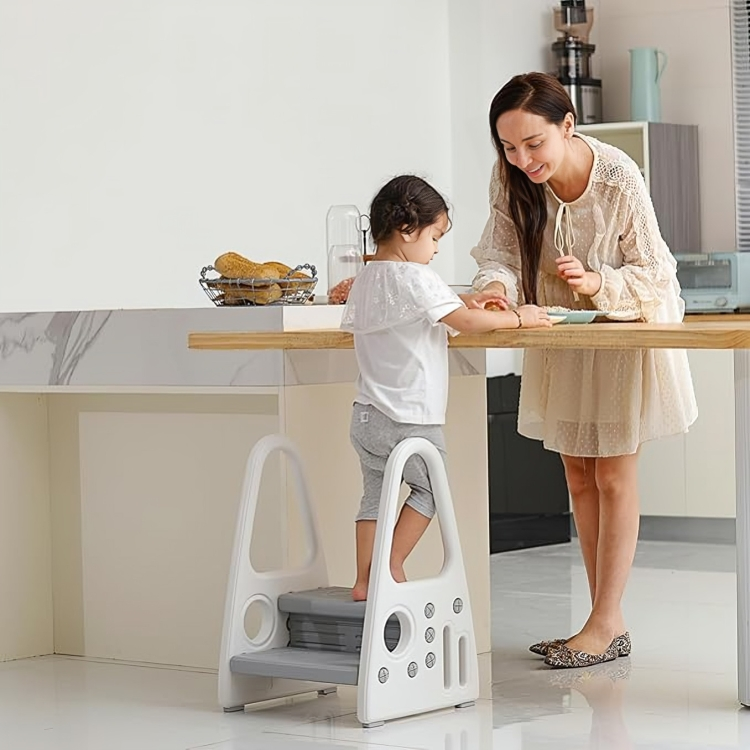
(280, 269)
(300, 286)
(234, 266)
(262, 296)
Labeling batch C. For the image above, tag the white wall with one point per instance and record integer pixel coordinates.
(490, 42)
(696, 88)
(141, 138)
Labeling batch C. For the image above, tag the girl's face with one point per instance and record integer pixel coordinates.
(422, 245)
(532, 144)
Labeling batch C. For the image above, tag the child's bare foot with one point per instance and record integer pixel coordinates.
(359, 592)
(397, 571)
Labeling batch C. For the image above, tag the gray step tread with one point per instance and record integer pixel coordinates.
(341, 668)
(392, 627)
(332, 601)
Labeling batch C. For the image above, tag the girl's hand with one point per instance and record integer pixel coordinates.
(533, 317)
(571, 270)
(485, 300)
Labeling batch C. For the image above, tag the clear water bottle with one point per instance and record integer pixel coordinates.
(345, 253)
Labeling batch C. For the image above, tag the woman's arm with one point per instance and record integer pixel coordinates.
(497, 254)
(648, 268)
(490, 298)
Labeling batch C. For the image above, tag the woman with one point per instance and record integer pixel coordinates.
(572, 225)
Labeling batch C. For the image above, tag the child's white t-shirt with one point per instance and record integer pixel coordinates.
(394, 310)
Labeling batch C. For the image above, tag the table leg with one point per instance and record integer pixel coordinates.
(742, 464)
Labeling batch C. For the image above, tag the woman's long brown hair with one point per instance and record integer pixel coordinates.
(543, 95)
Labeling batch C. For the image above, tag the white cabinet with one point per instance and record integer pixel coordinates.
(709, 446)
(661, 477)
(692, 475)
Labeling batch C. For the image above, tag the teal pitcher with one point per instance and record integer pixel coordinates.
(646, 67)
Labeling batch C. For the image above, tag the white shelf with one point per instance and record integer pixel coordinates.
(630, 137)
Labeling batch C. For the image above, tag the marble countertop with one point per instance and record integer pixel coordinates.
(129, 350)
(147, 350)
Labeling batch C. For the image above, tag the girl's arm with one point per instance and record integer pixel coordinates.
(465, 320)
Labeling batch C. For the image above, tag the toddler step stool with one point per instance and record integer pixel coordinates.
(409, 649)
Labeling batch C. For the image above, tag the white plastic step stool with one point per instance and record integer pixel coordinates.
(409, 649)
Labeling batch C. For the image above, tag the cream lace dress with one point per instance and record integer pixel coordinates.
(597, 402)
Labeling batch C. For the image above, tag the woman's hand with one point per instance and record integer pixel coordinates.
(533, 317)
(571, 270)
(486, 299)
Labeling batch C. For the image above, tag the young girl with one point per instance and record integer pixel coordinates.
(400, 312)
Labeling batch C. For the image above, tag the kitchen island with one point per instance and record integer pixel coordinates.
(122, 454)
(726, 333)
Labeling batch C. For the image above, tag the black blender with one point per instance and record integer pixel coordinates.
(573, 20)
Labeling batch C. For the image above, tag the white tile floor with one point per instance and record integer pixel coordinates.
(678, 690)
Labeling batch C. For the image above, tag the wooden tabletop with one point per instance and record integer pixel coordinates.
(729, 333)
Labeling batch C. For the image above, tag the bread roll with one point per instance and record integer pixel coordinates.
(234, 266)
(281, 269)
(301, 286)
(262, 296)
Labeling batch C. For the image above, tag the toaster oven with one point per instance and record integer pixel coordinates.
(714, 282)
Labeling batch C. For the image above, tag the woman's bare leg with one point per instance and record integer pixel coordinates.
(619, 516)
(581, 480)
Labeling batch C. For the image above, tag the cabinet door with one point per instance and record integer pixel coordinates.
(661, 477)
(709, 466)
(675, 185)
(497, 463)
(525, 479)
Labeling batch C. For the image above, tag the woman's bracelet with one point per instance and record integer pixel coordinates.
(520, 319)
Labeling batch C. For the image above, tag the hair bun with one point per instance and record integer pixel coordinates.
(405, 213)
(404, 204)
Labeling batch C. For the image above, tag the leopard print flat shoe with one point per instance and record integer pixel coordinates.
(543, 647)
(623, 644)
(567, 658)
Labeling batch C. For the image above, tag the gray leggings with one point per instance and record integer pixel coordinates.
(374, 435)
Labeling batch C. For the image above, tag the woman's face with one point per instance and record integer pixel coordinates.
(534, 145)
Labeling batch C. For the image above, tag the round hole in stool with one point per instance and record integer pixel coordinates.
(259, 620)
(399, 631)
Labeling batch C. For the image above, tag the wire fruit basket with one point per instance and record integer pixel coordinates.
(296, 288)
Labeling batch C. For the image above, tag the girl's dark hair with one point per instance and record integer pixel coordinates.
(543, 95)
(405, 204)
